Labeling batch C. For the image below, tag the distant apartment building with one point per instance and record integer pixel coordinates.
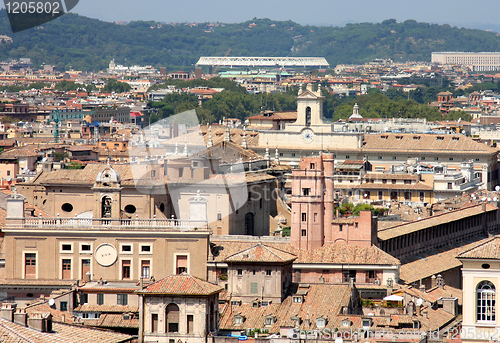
(478, 61)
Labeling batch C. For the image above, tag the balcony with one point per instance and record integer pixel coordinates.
(98, 224)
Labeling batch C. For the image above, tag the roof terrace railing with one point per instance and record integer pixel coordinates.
(105, 223)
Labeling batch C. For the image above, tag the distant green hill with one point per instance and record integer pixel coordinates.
(89, 44)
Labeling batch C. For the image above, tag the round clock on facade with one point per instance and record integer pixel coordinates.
(105, 254)
(307, 135)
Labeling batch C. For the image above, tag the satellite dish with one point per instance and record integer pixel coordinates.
(495, 199)
(489, 199)
(419, 302)
(51, 302)
(497, 188)
(339, 340)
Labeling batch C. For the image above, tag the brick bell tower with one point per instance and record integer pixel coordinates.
(312, 202)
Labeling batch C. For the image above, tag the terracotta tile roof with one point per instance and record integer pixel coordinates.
(15, 333)
(106, 308)
(434, 294)
(419, 186)
(432, 221)
(183, 284)
(387, 176)
(19, 152)
(87, 176)
(486, 250)
(427, 143)
(321, 300)
(261, 253)
(57, 316)
(434, 262)
(28, 282)
(114, 320)
(330, 253)
(346, 254)
(285, 115)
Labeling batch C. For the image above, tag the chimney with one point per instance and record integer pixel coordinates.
(422, 288)
(41, 322)
(7, 311)
(433, 281)
(15, 206)
(21, 317)
(425, 313)
(440, 281)
(483, 207)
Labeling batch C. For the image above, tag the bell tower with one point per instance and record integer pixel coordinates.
(309, 107)
(107, 194)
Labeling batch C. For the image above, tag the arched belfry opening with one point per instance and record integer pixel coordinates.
(106, 206)
(107, 194)
(249, 224)
(308, 116)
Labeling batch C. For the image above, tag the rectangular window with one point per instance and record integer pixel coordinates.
(145, 269)
(407, 182)
(145, 248)
(240, 272)
(181, 264)
(219, 216)
(311, 166)
(407, 195)
(190, 323)
(305, 191)
(384, 181)
(260, 203)
(304, 217)
(268, 272)
(125, 269)
(393, 182)
(154, 322)
(86, 248)
(66, 247)
(304, 233)
(100, 299)
(254, 288)
(450, 185)
(122, 299)
(30, 265)
(126, 248)
(84, 298)
(66, 269)
(63, 306)
(380, 195)
(340, 227)
(85, 269)
(422, 198)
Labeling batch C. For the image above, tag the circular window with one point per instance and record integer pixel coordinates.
(67, 207)
(485, 266)
(130, 209)
(162, 207)
(30, 295)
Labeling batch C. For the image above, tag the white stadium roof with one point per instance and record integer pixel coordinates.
(315, 62)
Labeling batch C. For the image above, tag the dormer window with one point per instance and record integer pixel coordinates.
(269, 320)
(296, 320)
(320, 322)
(346, 323)
(366, 322)
(239, 319)
(297, 299)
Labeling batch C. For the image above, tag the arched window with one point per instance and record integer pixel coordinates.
(308, 116)
(172, 318)
(485, 295)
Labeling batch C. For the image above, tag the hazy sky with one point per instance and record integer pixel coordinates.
(318, 12)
